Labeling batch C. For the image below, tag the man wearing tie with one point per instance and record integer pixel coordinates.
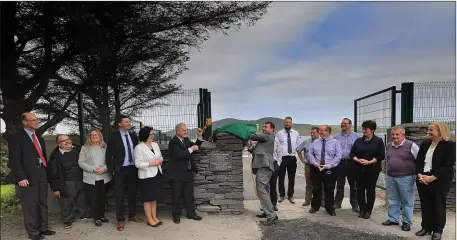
(324, 156)
(288, 140)
(121, 163)
(180, 169)
(28, 162)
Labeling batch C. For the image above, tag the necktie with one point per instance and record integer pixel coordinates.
(40, 153)
(129, 149)
(289, 143)
(323, 152)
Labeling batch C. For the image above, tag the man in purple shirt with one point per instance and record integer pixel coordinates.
(347, 138)
(324, 156)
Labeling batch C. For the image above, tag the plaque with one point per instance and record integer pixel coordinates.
(220, 161)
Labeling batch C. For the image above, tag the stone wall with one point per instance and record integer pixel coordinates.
(417, 133)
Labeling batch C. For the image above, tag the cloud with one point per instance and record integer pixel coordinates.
(312, 62)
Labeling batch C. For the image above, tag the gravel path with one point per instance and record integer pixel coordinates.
(305, 229)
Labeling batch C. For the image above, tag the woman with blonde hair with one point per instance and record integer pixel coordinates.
(434, 168)
(96, 176)
(148, 160)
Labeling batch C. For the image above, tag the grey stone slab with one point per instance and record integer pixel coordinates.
(208, 208)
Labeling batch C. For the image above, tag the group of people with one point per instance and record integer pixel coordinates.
(330, 160)
(78, 177)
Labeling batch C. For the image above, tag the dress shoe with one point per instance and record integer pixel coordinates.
(361, 214)
(406, 227)
(291, 200)
(104, 220)
(332, 213)
(356, 209)
(436, 236)
(263, 215)
(67, 225)
(306, 203)
(423, 232)
(48, 233)
(136, 219)
(281, 199)
(367, 215)
(176, 220)
(98, 223)
(196, 218)
(270, 221)
(312, 210)
(275, 208)
(389, 223)
(41, 237)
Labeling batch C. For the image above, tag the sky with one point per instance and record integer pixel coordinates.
(310, 60)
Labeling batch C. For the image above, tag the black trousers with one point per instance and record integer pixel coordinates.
(433, 205)
(97, 199)
(273, 188)
(75, 198)
(184, 189)
(366, 188)
(327, 178)
(346, 168)
(34, 203)
(126, 177)
(289, 164)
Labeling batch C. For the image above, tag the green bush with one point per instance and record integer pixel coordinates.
(9, 199)
(4, 170)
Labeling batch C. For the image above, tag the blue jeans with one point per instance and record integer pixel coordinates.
(400, 190)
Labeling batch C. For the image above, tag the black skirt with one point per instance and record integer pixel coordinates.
(151, 188)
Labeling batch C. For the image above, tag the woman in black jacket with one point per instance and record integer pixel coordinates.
(435, 162)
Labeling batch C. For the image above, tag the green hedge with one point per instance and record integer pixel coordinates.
(9, 199)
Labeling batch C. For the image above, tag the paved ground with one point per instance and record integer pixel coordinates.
(295, 223)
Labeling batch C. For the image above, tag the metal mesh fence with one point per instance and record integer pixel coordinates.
(435, 101)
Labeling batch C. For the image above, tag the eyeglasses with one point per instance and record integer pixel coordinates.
(68, 140)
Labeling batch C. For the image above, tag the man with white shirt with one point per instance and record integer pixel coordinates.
(305, 147)
(288, 141)
(66, 180)
(401, 168)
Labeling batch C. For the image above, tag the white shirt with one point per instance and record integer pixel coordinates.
(414, 148)
(282, 138)
(428, 160)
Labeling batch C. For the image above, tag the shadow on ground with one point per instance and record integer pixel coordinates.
(305, 229)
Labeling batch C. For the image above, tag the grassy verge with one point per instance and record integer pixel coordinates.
(9, 199)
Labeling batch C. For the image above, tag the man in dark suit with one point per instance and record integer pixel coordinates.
(121, 163)
(28, 162)
(180, 168)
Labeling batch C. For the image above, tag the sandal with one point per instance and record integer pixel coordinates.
(120, 226)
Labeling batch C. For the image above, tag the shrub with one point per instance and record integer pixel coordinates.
(9, 199)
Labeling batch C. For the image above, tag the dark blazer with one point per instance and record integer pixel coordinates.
(179, 158)
(55, 171)
(443, 161)
(24, 159)
(115, 151)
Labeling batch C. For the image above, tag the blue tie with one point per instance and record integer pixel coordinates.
(129, 149)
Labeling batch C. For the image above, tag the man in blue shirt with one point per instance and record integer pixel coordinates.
(346, 167)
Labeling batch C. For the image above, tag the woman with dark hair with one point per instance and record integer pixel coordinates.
(148, 160)
(367, 152)
(434, 168)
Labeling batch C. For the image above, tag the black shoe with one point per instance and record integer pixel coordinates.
(331, 213)
(104, 220)
(337, 206)
(270, 221)
(423, 232)
(153, 225)
(98, 223)
(406, 227)
(367, 215)
(85, 217)
(263, 215)
(67, 225)
(48, 233)
(312, 210)
(356, 209)
(361, 214)
(176, 220)
(196, 218)
(436, 236)
(389, 223)
(275, 208)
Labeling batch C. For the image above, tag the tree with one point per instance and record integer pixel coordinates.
(113, 52)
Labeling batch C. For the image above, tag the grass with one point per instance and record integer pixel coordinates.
(9, 199)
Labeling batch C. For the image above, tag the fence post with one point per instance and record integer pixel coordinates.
(81, 118)
(407, 102)
(393, 114)
(355, 115)
(210, 128)
(200, 107)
